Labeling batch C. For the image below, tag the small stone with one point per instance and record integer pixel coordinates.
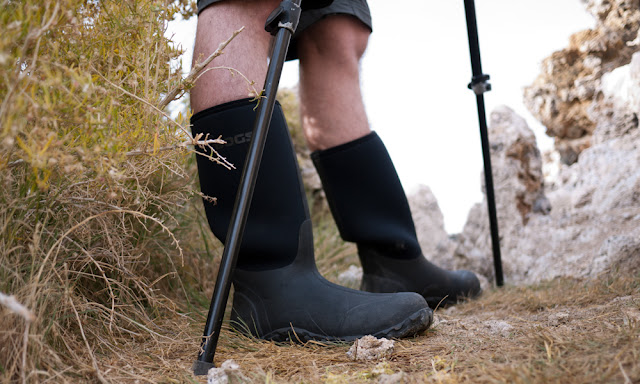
(631, 315)
(622, 299)
(217, 376)
(437, 321)
(224, 374)
(498, 327)
(556, 319)
(370, 348)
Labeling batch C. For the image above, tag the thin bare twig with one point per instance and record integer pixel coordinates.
(254, 92)
(14, 163)
(145, 102)
(86, 342)
(184, 144)
(25, 340)
(627, 380)
(195, 71)
(205, 145)
(38, 32)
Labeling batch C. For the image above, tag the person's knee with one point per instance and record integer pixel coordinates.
(336, 38)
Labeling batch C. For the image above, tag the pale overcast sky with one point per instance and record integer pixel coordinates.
(414, 78)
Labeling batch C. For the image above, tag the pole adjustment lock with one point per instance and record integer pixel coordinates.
(480, 84)
(287, 16)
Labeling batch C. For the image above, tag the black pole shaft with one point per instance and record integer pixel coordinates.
(242, 204)
(491, 202)
(478, 77)
(472, 33)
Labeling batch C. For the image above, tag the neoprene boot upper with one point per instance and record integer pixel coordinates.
(370, 208)
(279, 293)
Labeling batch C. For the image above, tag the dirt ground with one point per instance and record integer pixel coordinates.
(562, 331)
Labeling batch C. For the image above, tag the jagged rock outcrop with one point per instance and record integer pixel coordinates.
(436, 244)
(589, 221)
(563, 93)
(518, 165)
(519, 192)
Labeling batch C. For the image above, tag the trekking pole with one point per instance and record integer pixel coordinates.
(281, 23)
(479, 85)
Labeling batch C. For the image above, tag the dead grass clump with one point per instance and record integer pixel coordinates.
(93, 180)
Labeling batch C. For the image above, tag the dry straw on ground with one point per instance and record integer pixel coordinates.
(562, 331)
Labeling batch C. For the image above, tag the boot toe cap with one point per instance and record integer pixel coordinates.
(389, 315)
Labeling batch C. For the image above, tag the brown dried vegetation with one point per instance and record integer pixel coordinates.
(561, 331)
(94, 180)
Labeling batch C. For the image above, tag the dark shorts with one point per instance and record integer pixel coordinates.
(356, 8)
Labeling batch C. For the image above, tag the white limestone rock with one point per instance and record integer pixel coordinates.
(227, 373)
(519, 196)
(594, 214)
(436, 244)
(568, 84)
(370, 348)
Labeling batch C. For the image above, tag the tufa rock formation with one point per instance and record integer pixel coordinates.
(586, 222)
(429, 222)
(519, 192)
(563, 93)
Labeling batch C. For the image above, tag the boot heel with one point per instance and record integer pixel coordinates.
(380, 284)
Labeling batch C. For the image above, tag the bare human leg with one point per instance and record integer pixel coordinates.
(247, 53)
(361, 184)
(331, 102)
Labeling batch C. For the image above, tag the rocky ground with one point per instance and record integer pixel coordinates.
(561, 331)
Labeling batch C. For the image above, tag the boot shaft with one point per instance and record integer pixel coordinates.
(366, 197)
(279, 205)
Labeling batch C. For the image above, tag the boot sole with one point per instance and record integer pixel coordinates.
(414, 324)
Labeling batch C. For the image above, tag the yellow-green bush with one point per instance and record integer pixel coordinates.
(92, 176)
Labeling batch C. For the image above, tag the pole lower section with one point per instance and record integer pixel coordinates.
(284, 28)
(479, 85)
(491, 200)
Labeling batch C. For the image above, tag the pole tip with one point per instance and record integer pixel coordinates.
(201, 368)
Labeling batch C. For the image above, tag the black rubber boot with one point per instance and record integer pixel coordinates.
(279, 294)
(371, 209)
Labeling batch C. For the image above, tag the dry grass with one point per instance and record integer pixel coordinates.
(560, 331)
